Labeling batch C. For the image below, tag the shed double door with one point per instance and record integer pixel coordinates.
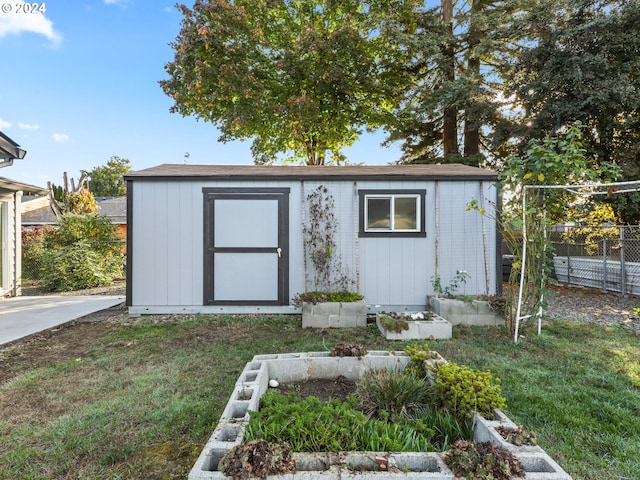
(246, 246)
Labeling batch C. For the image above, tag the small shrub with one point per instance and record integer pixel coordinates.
(419, 354)
(477, 461)
(77, 266)
(33, 251)
(320, 297)
(464, 391)
(389, 395)
(394, 324)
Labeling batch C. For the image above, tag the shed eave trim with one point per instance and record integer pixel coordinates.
(389, 177)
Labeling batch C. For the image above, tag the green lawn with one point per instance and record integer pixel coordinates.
(140, 399)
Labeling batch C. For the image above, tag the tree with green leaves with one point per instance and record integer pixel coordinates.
(107, 180)
(557, 160)
(71, 197)
(579, 62)
(301, 79)
(454, 104)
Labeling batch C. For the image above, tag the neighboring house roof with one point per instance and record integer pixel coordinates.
(297, 172)
(31, 202)
(9, 151)
(12, 185)
(114, 208)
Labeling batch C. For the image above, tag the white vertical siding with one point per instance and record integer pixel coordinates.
(462, 241)
(167, 251)
(394, 271)
(167, 244)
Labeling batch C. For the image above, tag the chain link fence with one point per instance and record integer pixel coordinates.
(33, 263)
(605, 257)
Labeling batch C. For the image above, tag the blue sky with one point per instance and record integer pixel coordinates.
(80, 85)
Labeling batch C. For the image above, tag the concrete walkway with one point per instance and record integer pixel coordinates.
(22, 316)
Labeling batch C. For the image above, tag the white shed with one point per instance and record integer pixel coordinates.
(229, 238)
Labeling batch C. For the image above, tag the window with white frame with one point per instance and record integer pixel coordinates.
(392, 212)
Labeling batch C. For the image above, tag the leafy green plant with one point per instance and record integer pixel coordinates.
(394, 323)
(449, 291)
(447, 428)
(84, 251)
(311, 425)
(77, 266)
(419, 354)
(477, 461)
(559, 160)
(33, 250)
(392, 394)
(320, 297)
(464, 391)
(306, 424)
(402, 436)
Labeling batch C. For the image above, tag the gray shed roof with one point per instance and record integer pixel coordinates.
(297, 172)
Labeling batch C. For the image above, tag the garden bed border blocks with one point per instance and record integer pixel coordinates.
(334, 314)
(297, 367)
(465, 312)
(436, 328)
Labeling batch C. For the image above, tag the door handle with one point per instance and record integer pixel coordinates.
(279, 252)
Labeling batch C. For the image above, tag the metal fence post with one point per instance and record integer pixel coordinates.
(604, 264)
(623, 267)
(568, 259)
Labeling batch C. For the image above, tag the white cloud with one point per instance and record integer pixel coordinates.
(14, 20)
(60, 137)
(116, 2)
(26, 126)
(4, 124)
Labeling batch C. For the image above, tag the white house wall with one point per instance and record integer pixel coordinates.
(166, 253)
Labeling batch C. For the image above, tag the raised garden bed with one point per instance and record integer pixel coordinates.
(413, 326)
(465, 311)
(334, 314)
(298, 367)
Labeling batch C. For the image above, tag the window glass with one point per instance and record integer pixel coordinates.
(392, 213)
(405, 213)
(379, 213)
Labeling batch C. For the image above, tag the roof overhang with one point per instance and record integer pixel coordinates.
(176, 172)
(12, 185)
(9, 151)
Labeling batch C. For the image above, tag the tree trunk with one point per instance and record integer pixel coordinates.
(471, 122)
(450, 125)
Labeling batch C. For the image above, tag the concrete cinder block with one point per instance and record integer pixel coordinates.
(349, 465)
(465, 312)
(436, 327)
(334, 314)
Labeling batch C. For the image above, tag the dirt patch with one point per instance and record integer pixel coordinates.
(592, 305)
(65, 342)
(325, 389)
